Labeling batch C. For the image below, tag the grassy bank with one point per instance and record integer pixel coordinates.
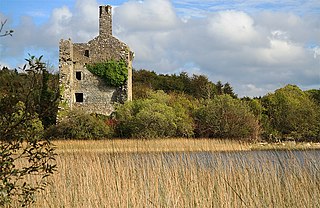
(107, 174)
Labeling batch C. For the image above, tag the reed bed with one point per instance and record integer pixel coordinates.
(154, 145)
(181, 179)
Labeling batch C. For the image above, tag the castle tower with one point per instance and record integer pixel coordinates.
(105, 20)
(81, 89)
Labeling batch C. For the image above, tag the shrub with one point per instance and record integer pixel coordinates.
(153, 117)
(225, 117)
(79, 125)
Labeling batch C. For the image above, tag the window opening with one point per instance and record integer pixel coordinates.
(86, 53)
(78, 75)
(79, 97)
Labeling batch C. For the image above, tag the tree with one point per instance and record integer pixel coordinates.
(202, 87)
(219, 87)
(154, 117)
(315, 95)
(225, 117)
(45, 96)
(23, 151)
(47, 108)
(197, 86)
(228, 90)
(292, 114)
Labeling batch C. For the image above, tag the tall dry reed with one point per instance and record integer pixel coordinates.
(99, 179)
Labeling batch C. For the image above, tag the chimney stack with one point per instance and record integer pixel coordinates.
(105, 20)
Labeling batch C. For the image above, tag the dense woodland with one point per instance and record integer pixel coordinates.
(176, 105)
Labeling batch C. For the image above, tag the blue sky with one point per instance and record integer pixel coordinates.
(256, 45)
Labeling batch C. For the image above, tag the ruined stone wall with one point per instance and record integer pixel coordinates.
(80, 89)
(65, 75)
(97, 97)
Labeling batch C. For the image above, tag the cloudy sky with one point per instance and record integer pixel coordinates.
(256, 45)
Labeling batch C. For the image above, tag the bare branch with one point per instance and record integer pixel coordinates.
(6, 33)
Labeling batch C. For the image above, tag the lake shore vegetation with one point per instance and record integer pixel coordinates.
(94, 177)
(175, 106)
(174, 145)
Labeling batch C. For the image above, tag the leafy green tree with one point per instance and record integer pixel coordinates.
(315, 95)
(197, 86)
(292, 113)
(256, 108)
(228, 90)
(202, 87)
(26, 159)
(153, 117)
(219, 87)
(45, 89)
(49, 98)
(145, 77)
(225, 117)
(11, 82)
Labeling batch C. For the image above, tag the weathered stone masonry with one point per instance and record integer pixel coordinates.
(80, 89)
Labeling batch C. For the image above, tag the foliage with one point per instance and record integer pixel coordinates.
(228, 90)
(24, 154)
(201, 87)
(197, 86)
(292, 113)
(79, 125)
(114, 73)
(47, 107)
(225, 117)
(315, 95)
(44, 97)
(153, 117)
(168, 106)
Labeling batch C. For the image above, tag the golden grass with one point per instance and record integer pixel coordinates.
(156, 145)
(150, 174)
(289, 145)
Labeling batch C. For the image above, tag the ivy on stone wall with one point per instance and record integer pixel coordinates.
(114, 73)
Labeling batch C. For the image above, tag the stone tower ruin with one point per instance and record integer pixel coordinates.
(80, 89)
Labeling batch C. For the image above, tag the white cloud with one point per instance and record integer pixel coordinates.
(233, 26)
(147, 15)
(281, 52)
(316, 52)
(251, 90)
(254, 51)
(254, 54)
(59, 21)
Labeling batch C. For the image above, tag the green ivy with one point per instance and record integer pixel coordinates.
(114, 73)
